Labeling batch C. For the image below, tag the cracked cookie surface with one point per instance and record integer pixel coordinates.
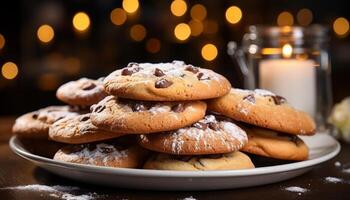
(108, 154)
(269, 143)
(82, 92)
(265, 109)
(211, 135)
(78, 130)
(134, 117)
(174, 81)
(36, 124)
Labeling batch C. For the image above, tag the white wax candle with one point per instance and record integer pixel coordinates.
(293, 79)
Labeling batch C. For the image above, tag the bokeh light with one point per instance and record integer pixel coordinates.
(81, 21)
(182, 31)
(304, 17)
(2, 41)
(130, 6)
(285, 19)
(138, 32)
(209, 52)
(153, 45)
(118, 16)
(45, 33)
(178, 7)
(198, 12)
(341, 26)
(233, 14)
(196, 27)
(9, 70)
(287, 50)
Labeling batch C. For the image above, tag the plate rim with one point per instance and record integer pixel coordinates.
(22, 152)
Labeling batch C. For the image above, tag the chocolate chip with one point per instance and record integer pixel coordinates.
(163, 83)
(106, 149)
(178, 108)
(214, 126)
(129, 71)
(158, 72)
(192, 69)
(99, 108)
(35, 116)
(278, 100)
(200, 125)
(89, 86)
(250, 98)
(201, 76)
(85, 118)
(139, 107)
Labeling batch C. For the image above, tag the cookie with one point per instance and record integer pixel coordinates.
(103, 154)
(228, 161)
(265, 109)
(135, 117)
(211, 135)
(174, 81)
(82, 92)
(272, 144)
(78, 130)
(36, 124)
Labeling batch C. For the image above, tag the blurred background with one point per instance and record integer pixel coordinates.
(46, 43)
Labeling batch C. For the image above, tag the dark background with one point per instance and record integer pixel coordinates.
(106, 47)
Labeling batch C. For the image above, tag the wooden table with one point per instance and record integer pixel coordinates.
(15, 171)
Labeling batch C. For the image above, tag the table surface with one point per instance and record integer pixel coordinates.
(15, 171)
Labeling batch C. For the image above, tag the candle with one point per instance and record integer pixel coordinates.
(291, 78)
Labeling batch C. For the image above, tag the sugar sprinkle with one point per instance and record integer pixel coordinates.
(333, 179)
(337, 164)
(296, 189)
(58, 191)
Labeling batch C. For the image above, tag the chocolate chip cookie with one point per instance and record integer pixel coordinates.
(268, 143)
(108, 154)
(174, 81)
(36, 124)
(135, 117)
(211, 135)
(82, 92)
(228, 161)
(78, 130)
(265, 109)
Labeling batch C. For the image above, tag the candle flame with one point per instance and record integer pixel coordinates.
(287, 51)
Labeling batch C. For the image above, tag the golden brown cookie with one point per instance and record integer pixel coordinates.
(228, 161)
(82, 92)
(36, 124)
(135, 117)
(78, 130)
(211, 135)
(174, 81)
(265, 109)
(269, 143)
(108, 154)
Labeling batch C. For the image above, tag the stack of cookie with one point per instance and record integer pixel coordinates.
(272, 125)
(155, 116)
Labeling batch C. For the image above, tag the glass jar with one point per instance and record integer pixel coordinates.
(290, 61)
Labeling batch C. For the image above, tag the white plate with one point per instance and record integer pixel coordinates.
(322, 148)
